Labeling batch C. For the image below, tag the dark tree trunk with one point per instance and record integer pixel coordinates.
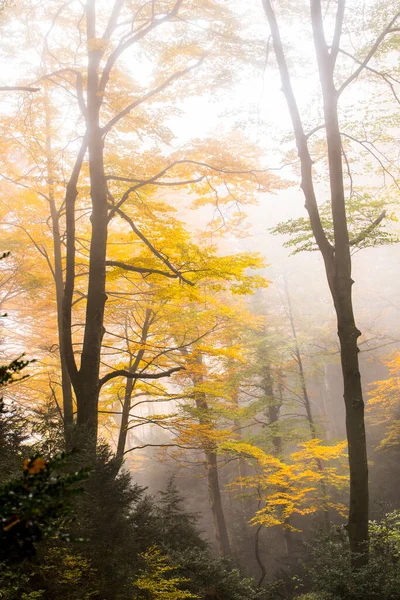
(257, 554)
(126, 407)
(68, 407)
(340, 283)
(214, 494)
(86, 381)
(57, 271)
(130, 385)
(337, 259)
(85, 378)
(211, 464)
(355, 428)
(274, 407)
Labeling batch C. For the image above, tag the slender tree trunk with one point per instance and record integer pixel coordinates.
(85, 377)
(243, 516)
(211, 464)
(258, 554)
(241, 463)
(337, 258)
(307, 403)
(214, 494)
(274, 407)
(355, 429)
(68, 415)
(129, 387)
(86, 381)
(126, 407)
(341, 283)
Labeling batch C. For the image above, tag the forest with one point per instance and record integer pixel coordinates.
(199, 300)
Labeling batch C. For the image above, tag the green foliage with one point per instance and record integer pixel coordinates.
(31, 506)
(176, 527)
(67, 574)
(214, 579)
(311, 596)
(363, 214)
(329, 564)
(15, 584)
(124, 526)
(9, 372)
(156, 581)
(46, 424)
(13, 434)
(114, 518)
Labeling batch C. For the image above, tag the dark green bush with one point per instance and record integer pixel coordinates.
(328, 565)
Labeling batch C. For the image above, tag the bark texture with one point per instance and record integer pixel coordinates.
(337, 258)
(211, 465)
(57, 272)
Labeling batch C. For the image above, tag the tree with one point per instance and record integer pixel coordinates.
(384, 405)
(293, 487)
(207, 381)
(164, 320)
(156, 582)
(103, 98)
(336, 250)
(32, 502)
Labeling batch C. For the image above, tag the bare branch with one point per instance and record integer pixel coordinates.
(163, 258)
(142, 270)
(113, 19)
(149, 94)
(161, 446)
(158, 183)
(112, 59)
(383, 76)
(18, 88)
(364, 144)
(130, 375)
(314, 130)
(388, 29)
(78, 85)
(338, 30)
(307, 184)
(155, 178)
(368, 229)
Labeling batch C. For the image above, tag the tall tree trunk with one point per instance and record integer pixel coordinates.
(257, 554)
(214, 494)
(86, 381)
(306, 401)
(341, 283)
(274, 407)
(211, 464)
(130, 385)
(126, 407)
(57, 271)
(355, 425)
(85, 378)
(337, 259)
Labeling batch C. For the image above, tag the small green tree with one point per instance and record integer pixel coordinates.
(156, 582)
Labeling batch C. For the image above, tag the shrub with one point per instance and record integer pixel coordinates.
(329, 564)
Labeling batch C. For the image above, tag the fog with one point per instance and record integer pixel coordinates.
(199, 289)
